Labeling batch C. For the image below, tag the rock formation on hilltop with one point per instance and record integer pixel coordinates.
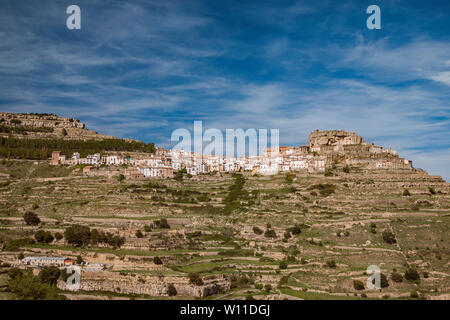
(340, 146)
(333, 138)
(45, 126)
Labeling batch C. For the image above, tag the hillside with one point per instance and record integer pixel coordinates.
(35, 136)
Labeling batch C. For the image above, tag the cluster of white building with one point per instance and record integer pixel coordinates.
(165, 162)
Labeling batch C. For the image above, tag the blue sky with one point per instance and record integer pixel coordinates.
(141, 69)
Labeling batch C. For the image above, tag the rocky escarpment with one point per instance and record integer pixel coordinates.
(45, 126)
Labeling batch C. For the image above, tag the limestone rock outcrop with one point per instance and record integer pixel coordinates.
(333, 138)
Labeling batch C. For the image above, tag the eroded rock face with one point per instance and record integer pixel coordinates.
(333, 138)
(150, 285)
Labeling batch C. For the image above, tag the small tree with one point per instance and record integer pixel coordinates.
(270, 233)
(50, 275)
(406, 193)
(43, 236)
(77, 235)
(31, 218)
(411, 274)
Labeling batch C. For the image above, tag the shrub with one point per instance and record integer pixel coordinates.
(171, 290)
(406, 193)
(139, 234)
(31, 218)
(121, 177)
(147, 228)
(358, 285)
(432, 191)
(414, 294)
(79, 260)
(195, 279)
(411, 274)
(42, 236)
(258, 231)
(396, 277)
(58, 236)
(283, 265)
(295, 230)
(331, 264)
(270, 233)
(20, 256)
(283, 281)
(289, 178)
(157, 260)
(35, 206)
(324, 189)
(267, 287)
(389, 237)
(384, 283)
(346, 169)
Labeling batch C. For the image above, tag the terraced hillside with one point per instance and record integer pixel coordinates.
(224, 236)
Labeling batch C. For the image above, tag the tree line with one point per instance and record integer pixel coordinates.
(41, 149)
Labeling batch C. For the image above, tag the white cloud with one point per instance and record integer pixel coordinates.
(443, 77)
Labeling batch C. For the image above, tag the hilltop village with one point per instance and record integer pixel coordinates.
(323, 149)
